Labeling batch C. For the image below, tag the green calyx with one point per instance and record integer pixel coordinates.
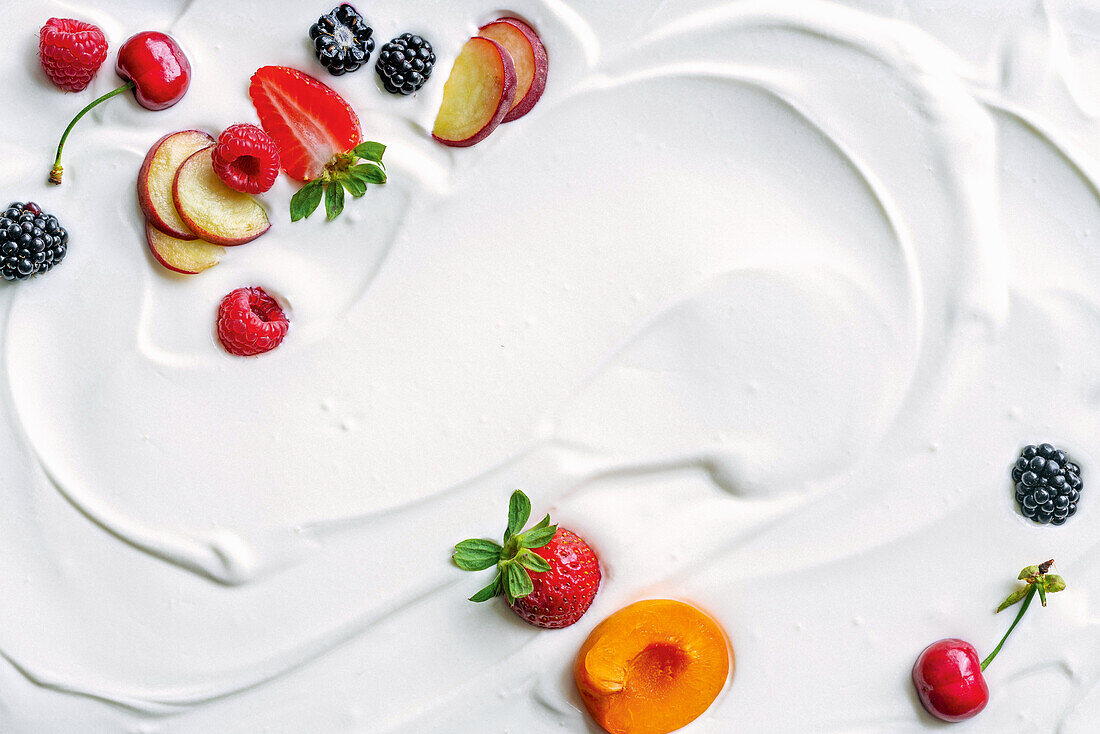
(344, 171)
(515, 561)
(1036, 580)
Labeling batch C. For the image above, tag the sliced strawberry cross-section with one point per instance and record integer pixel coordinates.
(309, 122)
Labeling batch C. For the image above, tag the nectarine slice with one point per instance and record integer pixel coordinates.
(529, 56)
(478, 93)
(156, 175)
(182, 256)
(212, 210)
(652, 667)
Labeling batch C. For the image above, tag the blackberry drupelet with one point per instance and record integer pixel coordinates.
(1048, 484)
(342, 40)
(31, 241)
(405, 63)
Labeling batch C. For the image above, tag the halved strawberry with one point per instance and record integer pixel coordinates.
(309, 122)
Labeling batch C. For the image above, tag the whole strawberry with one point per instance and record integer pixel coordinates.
(548, 575)
(71, 52)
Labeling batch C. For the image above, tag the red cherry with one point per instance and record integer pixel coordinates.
(154, 66)
(157, 66)
(949, 681)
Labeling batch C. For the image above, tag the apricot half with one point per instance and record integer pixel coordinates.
(652, 667)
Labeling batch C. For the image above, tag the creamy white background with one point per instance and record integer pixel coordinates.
(761, 299)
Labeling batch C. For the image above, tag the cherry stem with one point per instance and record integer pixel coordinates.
(1019, 615)
(57, 170)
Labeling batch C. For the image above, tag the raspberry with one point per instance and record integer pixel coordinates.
(251, 322)
(246, 159)
(71, 52)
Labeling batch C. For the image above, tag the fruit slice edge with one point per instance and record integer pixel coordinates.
(530, 58)
(478, 93)
(212, 210)
(158, 172)
(181, 256)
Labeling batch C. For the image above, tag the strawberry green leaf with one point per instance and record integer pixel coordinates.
(368, 173)
(1028, 572)
(355, 186)
(533, 561)
(370, 151)
(476, 554)
(489, 591)
(334, 200)
(1013, 598)
(1054, 583)
(517, 582)
(305, 201)
(519, 510)
(543, 523)
(537, 537)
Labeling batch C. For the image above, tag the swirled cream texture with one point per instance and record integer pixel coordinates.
(761, 299)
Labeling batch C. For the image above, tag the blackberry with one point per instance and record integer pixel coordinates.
(342, 40)
(405, 63)
(31, 241)
(1048, 484)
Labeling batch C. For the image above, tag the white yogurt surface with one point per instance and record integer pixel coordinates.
(762, 299)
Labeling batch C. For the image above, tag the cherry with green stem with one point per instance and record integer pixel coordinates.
(57, 170)
(948, 676)
(154, 66)
(1037, 581)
